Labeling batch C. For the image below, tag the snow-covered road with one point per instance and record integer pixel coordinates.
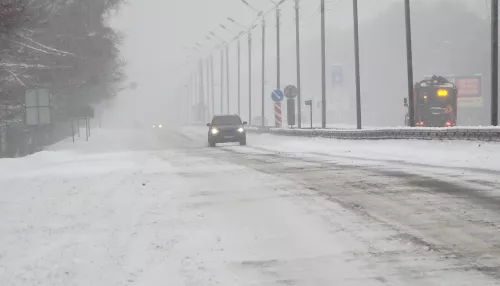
(142, 208)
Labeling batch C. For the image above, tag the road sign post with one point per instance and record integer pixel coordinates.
(290, 105)
(291, 92)
(309, 102)
(278, 121)
(277, 96)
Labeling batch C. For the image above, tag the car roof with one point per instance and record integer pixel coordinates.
(226, 115)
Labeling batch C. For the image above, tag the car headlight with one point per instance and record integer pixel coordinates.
(215, 131)
(154, 126)
(160, 126)
(241, 130)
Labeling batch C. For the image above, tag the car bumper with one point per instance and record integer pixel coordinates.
(227, 137)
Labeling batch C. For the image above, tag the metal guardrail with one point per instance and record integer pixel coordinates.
(451, 133)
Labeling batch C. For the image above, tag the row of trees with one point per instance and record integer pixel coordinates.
(65, 46)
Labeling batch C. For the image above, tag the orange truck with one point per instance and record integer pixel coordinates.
(435, 103)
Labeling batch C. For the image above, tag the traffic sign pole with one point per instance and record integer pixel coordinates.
(309, 102)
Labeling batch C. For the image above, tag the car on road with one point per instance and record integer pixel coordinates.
(225, 129)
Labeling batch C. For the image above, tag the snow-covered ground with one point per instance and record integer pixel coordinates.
(143, 208)
(466, 154)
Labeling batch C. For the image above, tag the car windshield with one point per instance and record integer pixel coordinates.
(226, 120)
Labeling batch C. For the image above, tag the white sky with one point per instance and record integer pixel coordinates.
(157, 32)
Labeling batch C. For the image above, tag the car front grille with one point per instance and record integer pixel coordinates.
(228, 132)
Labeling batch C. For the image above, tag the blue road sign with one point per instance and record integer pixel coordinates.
(277, 95)
(337, 74)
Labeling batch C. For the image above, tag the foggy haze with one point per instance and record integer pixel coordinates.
(116, 167)
(449, 38)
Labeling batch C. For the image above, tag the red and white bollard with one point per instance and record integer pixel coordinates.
(277, 115)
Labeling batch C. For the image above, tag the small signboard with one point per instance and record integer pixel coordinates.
(291, 92)
(469, 91)
(37, 104)
(82, 111)
(277, 95)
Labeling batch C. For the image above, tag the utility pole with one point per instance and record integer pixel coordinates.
(222, 80)
(227, 75)
(212, 82)
(356, 63)
(409, 60)
(278, 60)
(297, 40)
(195, 95)
(189, 94)
(239, 76)
(263, 66)
(250, 77)
(202, 92)
(494, 62)
(323, 66)
(207, 88)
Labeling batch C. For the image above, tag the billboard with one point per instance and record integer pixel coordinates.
(469, 91)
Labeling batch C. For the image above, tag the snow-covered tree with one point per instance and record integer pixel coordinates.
(63, 45)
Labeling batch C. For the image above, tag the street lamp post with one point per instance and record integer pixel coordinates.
(409, 62)
(239, 66)
(263, 67)
(212, 82)
(227, 79)
(221, 73)
(278, 46)
(250, 77)
(239, 77)
(297, 39)
(222, 80)
(494, 62)
(323, 66)
(356, 63)
(260, 13)
(249, 68)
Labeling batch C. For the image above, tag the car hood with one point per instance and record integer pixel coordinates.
(226, 127)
